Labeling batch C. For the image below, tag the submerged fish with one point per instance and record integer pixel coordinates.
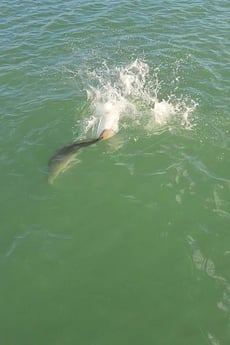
(62, 159)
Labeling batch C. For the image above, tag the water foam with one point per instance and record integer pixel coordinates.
(130, 96)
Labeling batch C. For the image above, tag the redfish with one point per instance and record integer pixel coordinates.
(62, 159)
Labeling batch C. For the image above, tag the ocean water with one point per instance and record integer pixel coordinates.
(131, 244)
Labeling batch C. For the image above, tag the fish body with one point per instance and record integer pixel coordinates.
(63, 158)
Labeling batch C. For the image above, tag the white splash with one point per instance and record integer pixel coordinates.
(162, 112)
(131, 96)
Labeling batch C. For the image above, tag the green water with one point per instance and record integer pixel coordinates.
(132, 244)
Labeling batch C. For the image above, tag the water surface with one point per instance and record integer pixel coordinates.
(130, 245)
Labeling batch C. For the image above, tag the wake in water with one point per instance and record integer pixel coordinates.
(130, 97)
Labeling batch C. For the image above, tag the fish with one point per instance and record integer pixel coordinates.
(62, 159)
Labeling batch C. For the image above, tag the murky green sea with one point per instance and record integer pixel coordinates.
(131, 245)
